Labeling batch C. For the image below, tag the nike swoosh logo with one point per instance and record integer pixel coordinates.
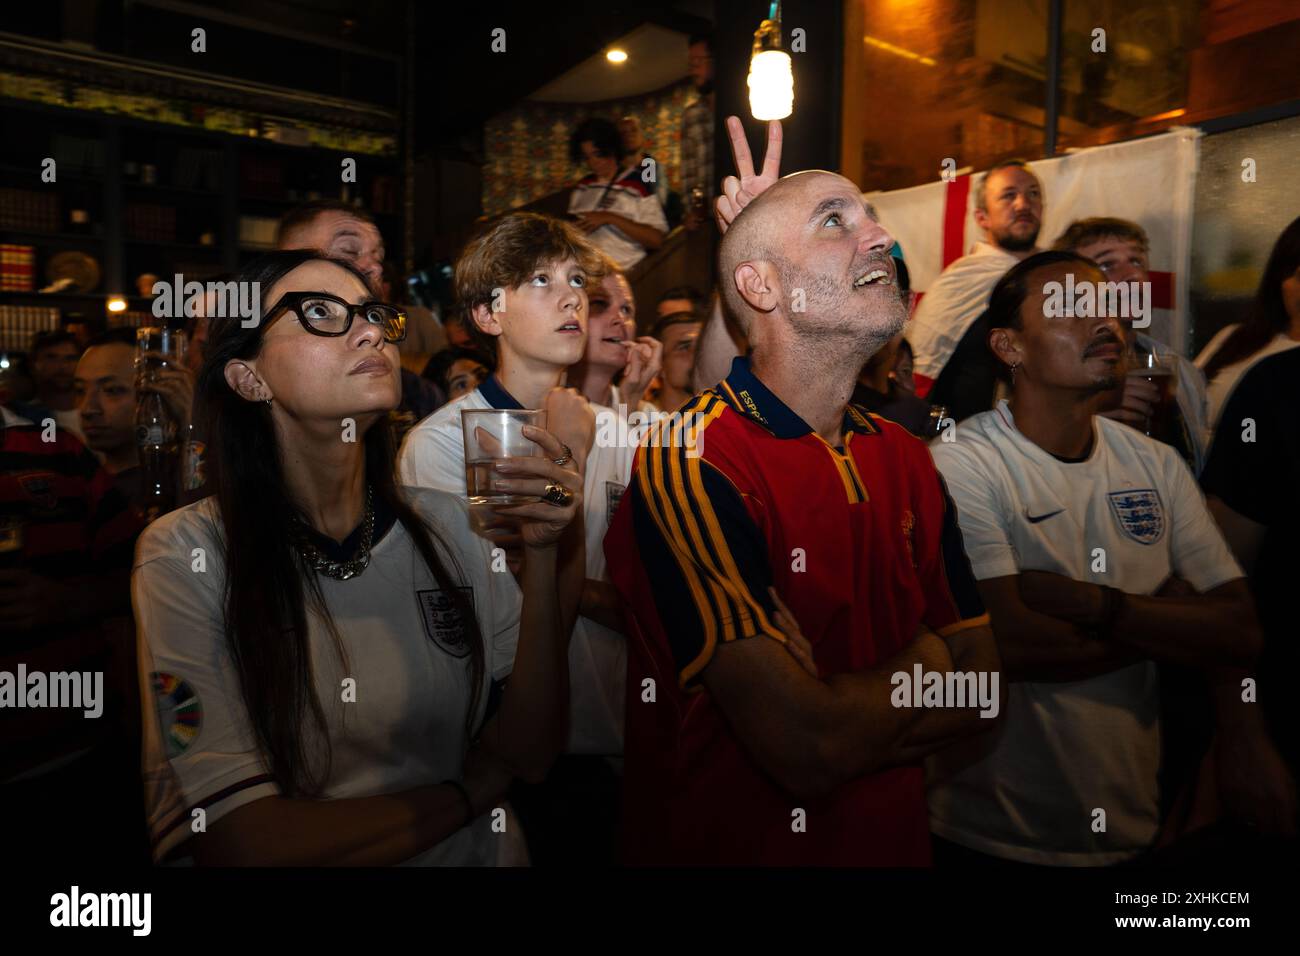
(1032, 519)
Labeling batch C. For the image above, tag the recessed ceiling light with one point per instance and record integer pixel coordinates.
(616, 56)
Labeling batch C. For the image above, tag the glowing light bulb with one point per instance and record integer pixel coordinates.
(771, 85)
(616, 56)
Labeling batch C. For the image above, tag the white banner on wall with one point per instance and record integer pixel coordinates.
(1149, 181)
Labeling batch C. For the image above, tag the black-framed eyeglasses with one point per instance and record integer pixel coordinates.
(328, 315)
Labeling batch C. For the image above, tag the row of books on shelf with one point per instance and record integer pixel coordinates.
(27, 210)
(17, 267)
(20, 323)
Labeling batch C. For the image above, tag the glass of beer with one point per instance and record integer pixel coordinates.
(1162, 423)
(158, 347)
(493, 435)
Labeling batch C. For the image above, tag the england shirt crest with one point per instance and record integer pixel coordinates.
(1139, 513)
(443, 621)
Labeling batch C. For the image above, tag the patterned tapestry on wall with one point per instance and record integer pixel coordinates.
(528, 146)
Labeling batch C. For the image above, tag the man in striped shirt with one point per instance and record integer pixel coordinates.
(769, 512)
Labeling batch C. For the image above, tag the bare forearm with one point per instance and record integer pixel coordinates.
(1177, 624)
(1197, 631)
(862, 731)
(1039, 634)
(648, 236)
(528, 729)
(974, 653)
(1038, 647)
(600, 602)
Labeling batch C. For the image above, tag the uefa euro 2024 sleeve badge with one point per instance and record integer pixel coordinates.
(180, 712)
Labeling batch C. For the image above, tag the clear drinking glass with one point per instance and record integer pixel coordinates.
(493, 435)
(158, 347)
(1144, 364)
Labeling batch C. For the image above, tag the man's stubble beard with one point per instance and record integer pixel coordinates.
(854, 333)
(1010, 243)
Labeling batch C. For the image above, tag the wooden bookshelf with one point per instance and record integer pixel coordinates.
(156, 198)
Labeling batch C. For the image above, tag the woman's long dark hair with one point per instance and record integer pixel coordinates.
(1267, 313)
(268, 585)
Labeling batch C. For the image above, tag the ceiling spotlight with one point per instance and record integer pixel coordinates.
(616, 56)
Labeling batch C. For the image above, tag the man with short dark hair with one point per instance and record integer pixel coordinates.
(1121, 249)
(629, 128)
(105, 385)
(681, 298)
(349, 232)
(1096, 557)
(679, 332)
(53, 363)
(952, 364)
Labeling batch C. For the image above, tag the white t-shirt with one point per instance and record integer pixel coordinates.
(956, 299)
(629, 197)
(406, 726)
(1219, 390)
(1066, 748)
(433, 456)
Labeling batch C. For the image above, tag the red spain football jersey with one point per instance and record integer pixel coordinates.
(734, 494)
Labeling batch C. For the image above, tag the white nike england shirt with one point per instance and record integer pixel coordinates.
(1068, 748)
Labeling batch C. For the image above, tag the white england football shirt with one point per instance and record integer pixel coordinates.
(952, 303)
(1068, 748)
(627, 196)
(404, 729)
(433, 456)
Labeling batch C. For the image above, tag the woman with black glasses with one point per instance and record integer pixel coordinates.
(328, 652)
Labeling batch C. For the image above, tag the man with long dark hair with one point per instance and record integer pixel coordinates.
(328, 653)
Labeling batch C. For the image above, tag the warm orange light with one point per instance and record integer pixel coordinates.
(117, 304)
(616, 56)
(897, 50)
(1172, 114)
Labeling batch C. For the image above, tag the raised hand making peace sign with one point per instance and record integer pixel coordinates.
(737, 193)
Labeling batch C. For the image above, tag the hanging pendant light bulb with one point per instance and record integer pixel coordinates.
(771, 75)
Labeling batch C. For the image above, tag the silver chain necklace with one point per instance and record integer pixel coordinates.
(340, 570)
